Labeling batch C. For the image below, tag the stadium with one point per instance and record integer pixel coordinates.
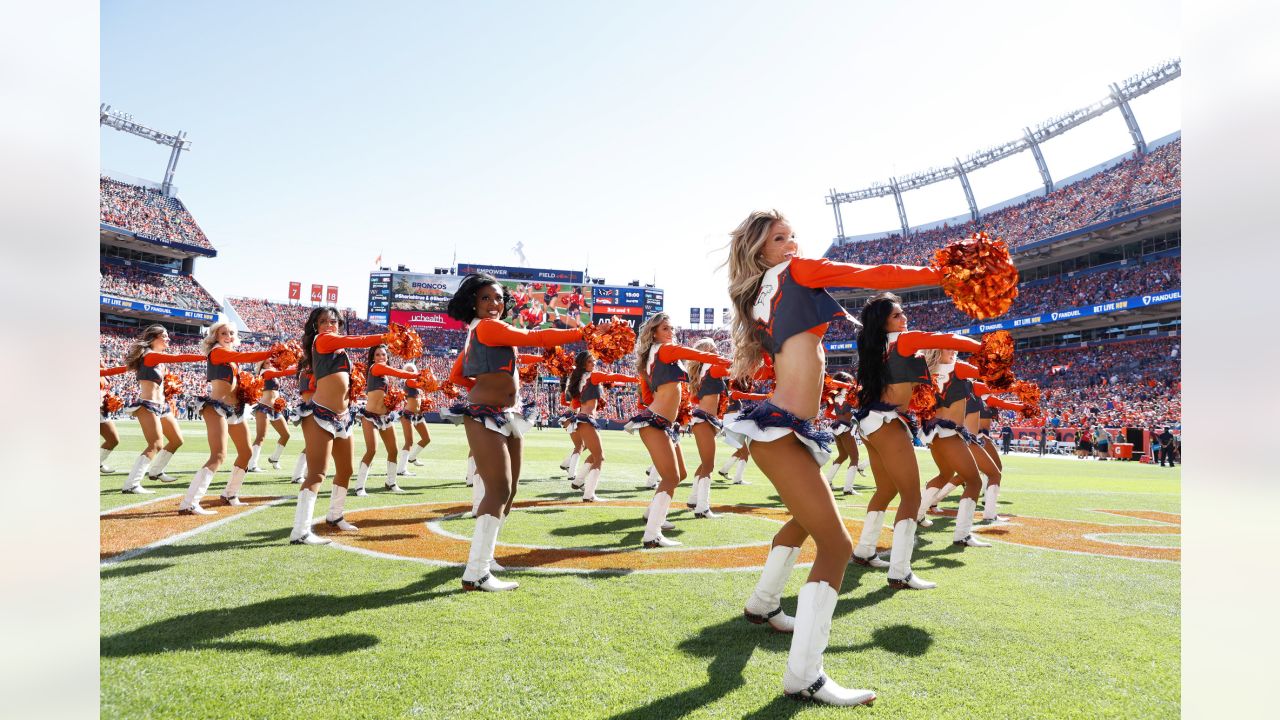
(220, 615)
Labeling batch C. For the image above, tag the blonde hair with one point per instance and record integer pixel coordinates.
(694, 368)
(211, 337)
(746, 270)
(644, 341)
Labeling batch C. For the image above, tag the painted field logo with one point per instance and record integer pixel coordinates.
(413, 532)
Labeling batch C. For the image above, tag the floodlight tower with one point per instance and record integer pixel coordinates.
(124, 123)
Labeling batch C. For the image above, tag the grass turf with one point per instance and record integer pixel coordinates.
(234, 622)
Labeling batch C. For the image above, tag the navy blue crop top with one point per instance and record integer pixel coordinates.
(710, 385)
(326, 364)
(785, 308)
(154, 374)
(220, 372)
(912, 368)
(481, 358)
(661, 373)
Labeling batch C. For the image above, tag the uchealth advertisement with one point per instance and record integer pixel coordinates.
(424, 319)
(419, 300)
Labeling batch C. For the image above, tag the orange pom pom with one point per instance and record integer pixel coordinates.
(611, 340)
(1029, 395)
(994, 359)
(978, 275)
(393, 398)
(924, 401)
(528, 374)
(559, 362)
(248, 387)
(111, 403)
(403, 342)
(450, 390)
(684, 414)
(279, 405)
(358, 381)
(285, 355)
(427, 380)
(426, 405)
(172, 386)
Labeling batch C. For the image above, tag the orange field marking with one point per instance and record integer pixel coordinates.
(130, 530)
(1072, 535)
(401, 531)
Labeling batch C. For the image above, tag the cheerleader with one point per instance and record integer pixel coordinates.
(783, 309)
(658, 366)
(889, 367)
(413, 418)
(146, 357)
(327, 419)
(306, 388)
(984, 449)
(949, 442)
(840, 413)
(223, 416)
(494, 428)
(570, 409)
(706, 382)
(378, 421)
(106, 426)
(584, 388)
(264, 412)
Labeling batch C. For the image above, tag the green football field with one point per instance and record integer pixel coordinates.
(1073, 613)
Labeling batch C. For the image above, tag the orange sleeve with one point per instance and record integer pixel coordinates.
(738, 395)
(273, 374)
(153, 359)
(222, 356)
(980, 388)
(413, 384)
(496, 332)
(909, 343)
(719, 371)
(456, 376)
(530, 359)
(824, 273)
(839, 383)
(996, 402)
(103, 372)
(381, 369)
(599, 377)
(330, 342)
(966, 371)
(671, 353)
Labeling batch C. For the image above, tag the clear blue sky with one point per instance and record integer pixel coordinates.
(631, 136)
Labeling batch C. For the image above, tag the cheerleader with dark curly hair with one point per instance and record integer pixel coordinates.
(662, 386)
(327, 419)
(491, 418)
(224, 416)
(264, 413)
(585, 387)
(890, 365)
(379, 422)
(782, 308)
(147, 357)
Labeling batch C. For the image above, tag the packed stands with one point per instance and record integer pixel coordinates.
(148, 212)
(1125, 187)
(174, 290)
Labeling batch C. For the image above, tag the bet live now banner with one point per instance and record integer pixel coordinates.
(1100, 309)
(157, 309)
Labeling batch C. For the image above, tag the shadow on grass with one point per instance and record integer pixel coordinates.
(206, 629)
(731, 643)
(129, 570)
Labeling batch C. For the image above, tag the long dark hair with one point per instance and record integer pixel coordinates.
(873, 340)
(462, 306)
(140, 347)
(368, 359)
(309, 332)
(575, 377)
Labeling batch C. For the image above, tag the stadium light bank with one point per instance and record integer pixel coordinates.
(124, 123)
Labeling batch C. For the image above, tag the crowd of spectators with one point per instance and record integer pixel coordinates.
(1048, 294)
(148, 212)
(179, 290)
(1125, 187)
